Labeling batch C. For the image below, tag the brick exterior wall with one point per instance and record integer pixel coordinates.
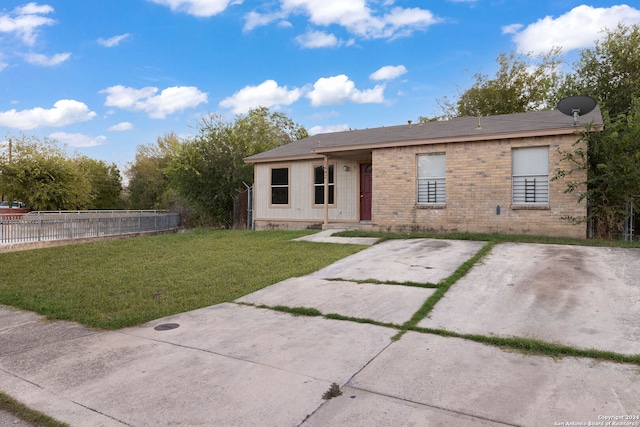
(478, 180)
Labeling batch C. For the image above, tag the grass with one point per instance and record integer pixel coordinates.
(296, 311)
(121, 283)
(536, 347)
(23, 413)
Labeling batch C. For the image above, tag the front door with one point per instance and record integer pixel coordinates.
(365, 191)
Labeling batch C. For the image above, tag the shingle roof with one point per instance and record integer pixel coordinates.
(536, 123)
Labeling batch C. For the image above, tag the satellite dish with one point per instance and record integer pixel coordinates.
(576, 106)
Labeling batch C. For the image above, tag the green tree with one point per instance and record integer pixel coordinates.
(41, 175)
(613, 175)
(522, 83)
(147, 173)
(106, 183)
(210, 169)
(610, 71)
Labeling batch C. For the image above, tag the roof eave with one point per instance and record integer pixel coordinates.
(456, 139)
(310, 156)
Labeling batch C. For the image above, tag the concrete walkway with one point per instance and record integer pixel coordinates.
(235, 364)
(327, 236)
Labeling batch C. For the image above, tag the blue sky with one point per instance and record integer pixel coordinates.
(103, 77)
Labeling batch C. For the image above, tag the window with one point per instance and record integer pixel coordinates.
(280, 186)
(431, 181)
(318, 185)
(530, 176)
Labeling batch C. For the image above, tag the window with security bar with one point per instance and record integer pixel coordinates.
(530, 176)
(431, 179)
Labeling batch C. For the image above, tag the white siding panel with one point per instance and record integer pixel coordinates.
(301, 205)
(347, 193)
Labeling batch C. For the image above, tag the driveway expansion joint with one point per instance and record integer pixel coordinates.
(101, 413)
(22, 379)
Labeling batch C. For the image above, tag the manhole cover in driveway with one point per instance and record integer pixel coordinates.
(166, 326)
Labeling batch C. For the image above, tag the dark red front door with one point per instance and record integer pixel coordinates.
(365, 192)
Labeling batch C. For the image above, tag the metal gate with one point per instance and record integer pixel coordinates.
(250, 223)
(630, 219)
(243, 209)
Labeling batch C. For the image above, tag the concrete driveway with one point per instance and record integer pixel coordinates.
(584, 297)
(238, 364)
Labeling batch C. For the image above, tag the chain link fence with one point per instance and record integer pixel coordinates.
(42, 226)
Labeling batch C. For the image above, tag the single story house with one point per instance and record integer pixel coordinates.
(469, 174)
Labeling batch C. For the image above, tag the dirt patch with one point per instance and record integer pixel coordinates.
(434, 244)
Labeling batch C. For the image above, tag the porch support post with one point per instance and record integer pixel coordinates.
(326, 189)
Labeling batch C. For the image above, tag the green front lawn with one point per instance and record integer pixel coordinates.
(120, 283)
(25, 414)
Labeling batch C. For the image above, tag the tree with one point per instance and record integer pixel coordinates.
(209, 169)
(147, 173)
(106, 183)
(42, 176)
(613, 175)
(522, 83)
(610, 71)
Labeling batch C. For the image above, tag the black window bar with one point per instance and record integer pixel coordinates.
(431, 192)
(530, 190)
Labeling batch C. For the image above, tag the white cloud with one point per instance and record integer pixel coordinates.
(326, 129)
(327, 12)
(127, 97)
(317, 39)
(266, 94)
(511, 29)
(388, 72)
(24, 21)
(113, 41)
(169, 101)
(33, 8)
(64, 112)
(576, 29)
(254, 19)
(172, 99)
(356, 16)
(46, 61)
(339, 89)
(3, 65)
(78, 139)
(122, 126)
(201, 8)
(403, 21)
